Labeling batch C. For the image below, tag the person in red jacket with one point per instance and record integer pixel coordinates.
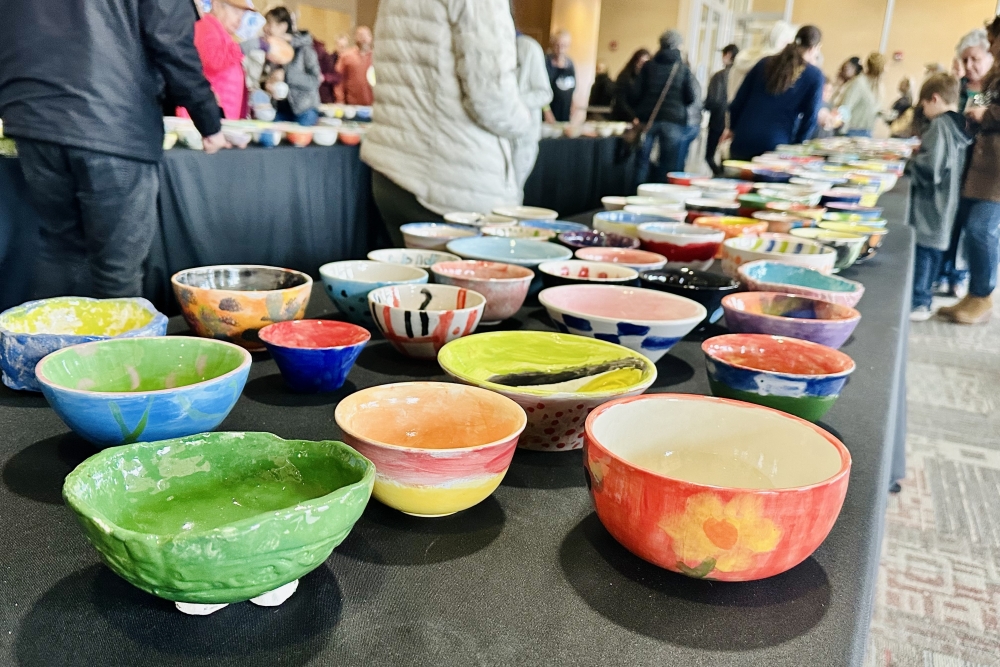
(221, 57)
(355, 69)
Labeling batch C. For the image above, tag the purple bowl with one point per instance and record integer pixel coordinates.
(591, 239)
(791, 316)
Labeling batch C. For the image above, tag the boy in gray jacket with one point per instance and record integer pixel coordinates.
(935, 173)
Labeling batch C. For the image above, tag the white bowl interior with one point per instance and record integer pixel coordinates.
(368, 271)
(592, 271)
(438, 231)
(428, 298)
(719, 444)
(622, 304)
(786, 245)
(411, 256)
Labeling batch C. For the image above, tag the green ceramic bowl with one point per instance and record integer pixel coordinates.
(219, 517)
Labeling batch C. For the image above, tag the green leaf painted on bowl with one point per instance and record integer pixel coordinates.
(219, 517)
(700, 572)
(130, 435)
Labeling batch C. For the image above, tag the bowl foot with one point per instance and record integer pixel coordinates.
(277, 596)
(428, 516)
(192, 609)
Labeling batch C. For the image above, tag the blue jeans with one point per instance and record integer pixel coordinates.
(691, 133)
(926, 265)
(981, 221)
(858, 133)
(669, 136)
(949, 272)
(305, 119)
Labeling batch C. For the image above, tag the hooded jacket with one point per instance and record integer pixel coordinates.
(935, 173)
(649, 85)
(447, 105)
(303, 74)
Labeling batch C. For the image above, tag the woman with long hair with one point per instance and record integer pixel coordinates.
(621, 109)
(780, 98)
(860, 103)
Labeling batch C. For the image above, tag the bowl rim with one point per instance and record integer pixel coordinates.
(518, 232)
(868, 229)
(845, 454)
(728, 221)
(619, 237)
(152, 340)
(407, 251)
(537, 212)
(446, 288)
(465, 387)
(412, 227)
(434, 268)
(545, 295)
(814, 234)
(840, 356)
(553, 225)
(88, 509)
(733, 283)
(175, 279)
(564, 253)
(158, 317)
(629, 273)
(743, 270)
(325, 271)
(652, 257)
(738, 243)
(295, 323)
(689, 229)
(853, 315)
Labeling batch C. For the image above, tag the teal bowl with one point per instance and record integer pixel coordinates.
(217, 518)
(770, 276)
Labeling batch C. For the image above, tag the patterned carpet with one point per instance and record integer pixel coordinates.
(938, 598)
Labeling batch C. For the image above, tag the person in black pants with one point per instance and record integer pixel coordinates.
(81, 87)
(717, 105)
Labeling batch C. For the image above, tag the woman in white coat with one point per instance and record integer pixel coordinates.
(447, 110)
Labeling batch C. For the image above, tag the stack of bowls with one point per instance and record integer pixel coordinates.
(822, 322)
(419, 319)
(314, 356)
(708, 289)
(505, 286)
(433, 235)
(682, 244)
(777, 247)
(576, 271)
(348, 284)
(766, 276)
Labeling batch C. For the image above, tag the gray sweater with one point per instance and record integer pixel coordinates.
(935, 173)
(303, 74)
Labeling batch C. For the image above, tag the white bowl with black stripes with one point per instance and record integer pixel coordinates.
(419, 319)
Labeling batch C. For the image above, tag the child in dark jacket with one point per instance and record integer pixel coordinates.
(935, 173)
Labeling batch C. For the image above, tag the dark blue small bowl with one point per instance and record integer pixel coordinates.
(314, 356)
(580, 239)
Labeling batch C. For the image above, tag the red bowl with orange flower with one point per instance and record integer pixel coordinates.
(713, 488)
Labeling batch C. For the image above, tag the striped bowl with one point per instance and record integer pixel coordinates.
(419, 319)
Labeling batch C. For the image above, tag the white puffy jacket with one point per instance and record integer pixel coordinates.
(446, 104)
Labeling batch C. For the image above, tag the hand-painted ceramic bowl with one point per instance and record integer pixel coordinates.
(790, 194)
(765, 276)
(711, 185)
(798, 210)
(873, 235)
(682, 244)
(795, 376)
(217, 518)
(349, 138)
(126, 390)
(268, 137)
(680, 177)
(639, 260)
(675, 213)
(855, 219)
(526, 212)
(556, 378)
(314, 356)
(847, 246)
(703, 208)
(434, 235)
(324, 136)
(776, 247)
(348, 284)
(576, 271)
(842, 196)
(555, 226)
(505, 286)
(713, 489)
(37, 328)
(636, 200)
(518, 232)
(470, 219)
(421, 259)
(234, 302)
(863, 212)
(419, 319)
(781, 223)
(438, 448)
(668, 192)
(647, 321)
(623, 223)
(708, 289)
(525, 252)
(822, 322)
(733, 227)
(577, 240)
(613, 203)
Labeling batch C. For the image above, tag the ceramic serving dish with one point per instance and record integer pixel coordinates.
(314, 356)
(847, 246)
(733, 227)
(682, 244)
(35, 329)
(874, 236)
(234, 301)
(505, 286)
(713, 489)
(797, 210)
(554, 226)
(217, 518)
(577, 240)
(777, 247)
(622, 222)
(422, 259)
(518, 232)
(822, 322)
(795, 376)
(433, 235)
(526, 212)
(765, 276)
(576, 271)
(125, 390)
(525, 252)
(348, 284)
(639, 260)
(419, 319)
(647, 321)
(438, 448)
(781, 223)
(708, 289)
(557, 378)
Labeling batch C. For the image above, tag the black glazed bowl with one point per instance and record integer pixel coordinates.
(706, 288)
(580, 239)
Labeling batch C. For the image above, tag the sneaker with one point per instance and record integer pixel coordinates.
(921, 314)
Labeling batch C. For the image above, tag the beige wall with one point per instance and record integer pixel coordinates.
(850, 27)
(633, 24)
(534, 18)
(582, 18)
(367, 9)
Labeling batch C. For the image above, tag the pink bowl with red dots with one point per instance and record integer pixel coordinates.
(557, 378)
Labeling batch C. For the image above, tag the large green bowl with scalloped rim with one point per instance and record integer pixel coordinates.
(219, 517)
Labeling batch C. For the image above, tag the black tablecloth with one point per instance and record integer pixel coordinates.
(528, 577)
(292, 207)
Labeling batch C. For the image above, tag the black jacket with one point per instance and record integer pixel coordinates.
(717, 99)
(91, 73)
(650, 82)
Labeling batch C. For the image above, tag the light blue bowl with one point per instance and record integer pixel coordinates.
(623, 222)
(523, 252)
(125, 390)
(348, 284)
(770, 276)
(35, 329)
(557, 226)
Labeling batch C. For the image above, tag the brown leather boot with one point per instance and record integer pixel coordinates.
(948, 312)
(970, 310)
